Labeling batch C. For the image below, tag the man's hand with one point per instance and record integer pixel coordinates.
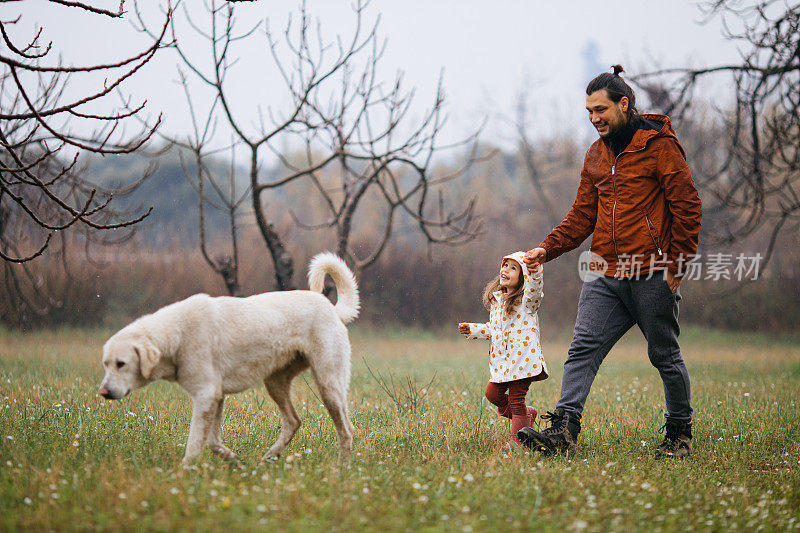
(672, 281)
(463, 328)
(535, 257)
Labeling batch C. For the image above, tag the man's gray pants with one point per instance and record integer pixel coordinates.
(609, 307)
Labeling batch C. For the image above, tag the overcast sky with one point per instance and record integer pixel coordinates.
(488, 51)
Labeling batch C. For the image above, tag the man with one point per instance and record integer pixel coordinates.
(637, 197)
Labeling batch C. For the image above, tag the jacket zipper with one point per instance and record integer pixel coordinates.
(614, 185)
(649, 226)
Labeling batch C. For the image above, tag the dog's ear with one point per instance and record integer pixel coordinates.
(149, 356)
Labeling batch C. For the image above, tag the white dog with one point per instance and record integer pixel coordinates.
(218, 346)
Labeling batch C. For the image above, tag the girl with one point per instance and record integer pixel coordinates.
(515, 356)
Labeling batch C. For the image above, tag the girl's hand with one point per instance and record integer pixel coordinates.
(463, 328)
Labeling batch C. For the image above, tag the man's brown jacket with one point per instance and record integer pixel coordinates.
(639, 205)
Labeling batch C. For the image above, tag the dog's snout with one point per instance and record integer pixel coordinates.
(105, 393)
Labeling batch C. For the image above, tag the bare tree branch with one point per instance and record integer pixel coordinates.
(43, 186)
(359, 142)
(756, 184)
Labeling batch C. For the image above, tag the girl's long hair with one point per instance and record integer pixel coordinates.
(509, 299)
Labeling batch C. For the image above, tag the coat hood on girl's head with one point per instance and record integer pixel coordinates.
(531, 284)
(519, 257)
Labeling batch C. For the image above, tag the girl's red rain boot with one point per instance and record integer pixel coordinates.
(517, 422)
(532, 412)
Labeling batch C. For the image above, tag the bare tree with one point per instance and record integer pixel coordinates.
(45, 135)
(533, 162)
(352, 134)
(758, 183)
(225, 197)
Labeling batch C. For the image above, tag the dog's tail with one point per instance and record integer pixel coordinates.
(347, 303)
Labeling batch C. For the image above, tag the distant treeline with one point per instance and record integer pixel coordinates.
(412, 284)
(404, 289)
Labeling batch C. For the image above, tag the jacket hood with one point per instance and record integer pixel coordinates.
(641, 136)
(666, 128)
(519, 257)
(527, 279)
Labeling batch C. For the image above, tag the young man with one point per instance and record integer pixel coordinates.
(637, 197)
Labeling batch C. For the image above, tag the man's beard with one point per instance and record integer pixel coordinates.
(615, 128)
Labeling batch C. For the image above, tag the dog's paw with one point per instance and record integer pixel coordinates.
(225, 453)
(231, 458)
(189, 461)
(271, 456)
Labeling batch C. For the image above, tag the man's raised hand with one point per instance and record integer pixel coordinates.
(535, 257)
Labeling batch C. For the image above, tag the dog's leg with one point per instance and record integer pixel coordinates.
(334, 396)
(279, 387)
(215, 435)
(203, 413)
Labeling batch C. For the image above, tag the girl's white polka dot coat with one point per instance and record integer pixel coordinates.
(515, 351)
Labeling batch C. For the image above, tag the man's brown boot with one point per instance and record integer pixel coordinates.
(677, 442)
(560, 437)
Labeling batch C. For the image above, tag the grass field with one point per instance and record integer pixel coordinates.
(426, 449)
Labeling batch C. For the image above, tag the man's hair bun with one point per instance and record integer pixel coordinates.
(615, 88)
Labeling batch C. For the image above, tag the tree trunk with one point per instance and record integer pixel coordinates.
(281, 259)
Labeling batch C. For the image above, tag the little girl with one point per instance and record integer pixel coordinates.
(515, 355)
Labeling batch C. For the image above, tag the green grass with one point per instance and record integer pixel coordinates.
(424, 458)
